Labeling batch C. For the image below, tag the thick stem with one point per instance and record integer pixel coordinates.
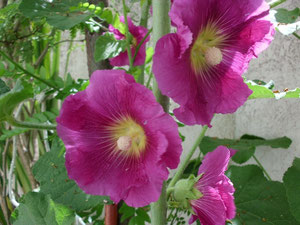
(186, 161)
(161, 26)
(111, 214)
(127, 35)
(159, 208)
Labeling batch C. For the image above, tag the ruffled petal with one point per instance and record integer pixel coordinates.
(210, 208)
(213, 166)
(91, 158)
(226, 190)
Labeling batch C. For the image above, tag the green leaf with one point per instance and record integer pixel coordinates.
(3, 87)
(259, 201)
(141, 213)
(51, 173)
(107, 47)
(10, 133)
(2, 69)
(38, 208)
(287, 16)
(10, 99)
(291, 181)
(60, 14)
(126, 211)
(263, 91)
(245, 145)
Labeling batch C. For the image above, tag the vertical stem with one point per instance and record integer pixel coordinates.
(186, 161)
(144, 22)
(161, 26)
(127, 35)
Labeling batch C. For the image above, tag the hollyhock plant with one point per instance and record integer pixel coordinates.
(119, 141)
(138, 33)
(216, 204)
(200, 66)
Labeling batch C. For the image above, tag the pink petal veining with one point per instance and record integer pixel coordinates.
(248, 32)
(82, 124)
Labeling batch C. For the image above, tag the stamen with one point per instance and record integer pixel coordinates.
(213, 56)
(124, 143)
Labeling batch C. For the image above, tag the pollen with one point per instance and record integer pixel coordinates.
(124, 143)
(129, 137)
(213, 56)
(206, 50)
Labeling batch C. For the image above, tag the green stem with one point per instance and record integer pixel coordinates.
(261, 166)
(161, 26)
(159, 208)
(276, 3)
(186, 161)
(27, 72)
(149, 80)
(140, 44)
(296, 35)
(143, 22)
(30, 125)
(127, 35)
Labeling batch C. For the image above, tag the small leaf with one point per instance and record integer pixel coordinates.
(287, 16)
(10, 99)
(291, 181)
(10, 133)
(107, 47)
(2, 69)
(38, 208)
(3, 87)
(264, 91)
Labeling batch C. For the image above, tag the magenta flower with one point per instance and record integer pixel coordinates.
(217, 203)
(200, 66)
(138, 33)
(119, 141)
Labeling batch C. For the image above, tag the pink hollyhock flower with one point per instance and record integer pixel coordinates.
(119, 141)
(200, 66)
(217, 202)
(138, 33)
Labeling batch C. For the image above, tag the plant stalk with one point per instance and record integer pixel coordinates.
(161, 26)
(276, 3)
(30, 125)
(186, 161)
(127, 34)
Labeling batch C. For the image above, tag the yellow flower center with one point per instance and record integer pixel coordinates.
(129, 137)
(206, 50)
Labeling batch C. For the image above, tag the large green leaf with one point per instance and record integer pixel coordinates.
(107, 47)
(60, 14)
(245, 145)
(262, 91)
(291, 181)
(51, 173)
(10, 99)
(259, 201)
(39, 209)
